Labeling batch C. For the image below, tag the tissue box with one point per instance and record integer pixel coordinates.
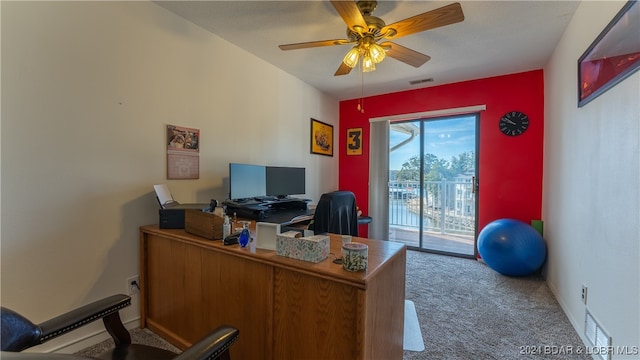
(203, 223)
(310, 248)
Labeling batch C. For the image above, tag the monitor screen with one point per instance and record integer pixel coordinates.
(246, 181)
(284, 181)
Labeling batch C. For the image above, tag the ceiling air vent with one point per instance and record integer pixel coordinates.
(422, 81)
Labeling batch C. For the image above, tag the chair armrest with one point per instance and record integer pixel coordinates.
(212, 346)
(6, 355)
(83, 315)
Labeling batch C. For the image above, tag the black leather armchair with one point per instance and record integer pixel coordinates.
(336, 213)
(18, 333)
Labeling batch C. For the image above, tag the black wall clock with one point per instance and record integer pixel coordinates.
(514, 123)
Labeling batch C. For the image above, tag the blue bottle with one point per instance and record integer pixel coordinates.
(245, 235)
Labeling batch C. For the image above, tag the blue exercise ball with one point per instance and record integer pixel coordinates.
(511, 247)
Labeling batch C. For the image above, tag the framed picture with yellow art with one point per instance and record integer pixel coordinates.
(354, 141)
(321, 138)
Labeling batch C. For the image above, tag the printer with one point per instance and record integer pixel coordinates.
(172, 217)
(172, 212)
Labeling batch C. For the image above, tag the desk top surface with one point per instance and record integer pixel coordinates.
(379, 254)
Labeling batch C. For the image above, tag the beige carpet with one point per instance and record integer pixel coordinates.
(468, 311)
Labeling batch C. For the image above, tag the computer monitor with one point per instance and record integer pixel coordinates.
(246, 181)
(284, 181)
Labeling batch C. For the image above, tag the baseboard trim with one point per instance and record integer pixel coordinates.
(577, 324)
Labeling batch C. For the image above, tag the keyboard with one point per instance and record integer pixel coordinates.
(246, 202)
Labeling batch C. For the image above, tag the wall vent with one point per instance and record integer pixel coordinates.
(597, 337)
(421, 81)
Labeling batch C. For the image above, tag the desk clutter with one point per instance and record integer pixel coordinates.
(291, 244)
(212, 222)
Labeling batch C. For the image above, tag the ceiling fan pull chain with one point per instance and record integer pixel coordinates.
(361, 101)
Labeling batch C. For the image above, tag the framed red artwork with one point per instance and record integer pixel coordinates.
(612, 57)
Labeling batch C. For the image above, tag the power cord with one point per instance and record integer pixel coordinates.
(135, 287)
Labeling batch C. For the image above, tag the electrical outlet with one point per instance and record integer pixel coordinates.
(133, 285)
(583, 296)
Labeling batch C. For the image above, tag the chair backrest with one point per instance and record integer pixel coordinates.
(18, 333)
(336, 213)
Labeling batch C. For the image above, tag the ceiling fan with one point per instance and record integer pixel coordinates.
(365, 31)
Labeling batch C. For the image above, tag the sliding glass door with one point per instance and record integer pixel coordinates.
(432, 184)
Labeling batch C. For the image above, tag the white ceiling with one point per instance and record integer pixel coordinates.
(496, 38)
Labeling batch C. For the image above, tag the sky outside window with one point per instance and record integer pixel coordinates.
(444, 139)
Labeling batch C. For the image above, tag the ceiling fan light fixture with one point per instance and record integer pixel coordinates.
(365, 30)
(368, 64)
(376, 52)
(352, 57)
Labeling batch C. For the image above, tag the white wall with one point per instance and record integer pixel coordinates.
(87, 91)
(591, 179)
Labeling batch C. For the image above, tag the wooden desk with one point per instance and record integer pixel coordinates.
(284, 308)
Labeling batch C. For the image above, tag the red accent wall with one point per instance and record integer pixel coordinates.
(510, 168)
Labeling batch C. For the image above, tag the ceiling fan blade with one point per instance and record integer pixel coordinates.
(445, 15)
(405, 54)
(312, 44)
(351, 15)
(344, 69)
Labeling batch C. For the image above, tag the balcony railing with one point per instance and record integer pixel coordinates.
(448, 206)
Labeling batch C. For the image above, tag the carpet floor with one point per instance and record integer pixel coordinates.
(466, 311)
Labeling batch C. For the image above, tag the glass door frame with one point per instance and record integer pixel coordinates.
(474, 183)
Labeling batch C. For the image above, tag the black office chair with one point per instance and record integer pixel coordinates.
(336, 213)
(18, 333)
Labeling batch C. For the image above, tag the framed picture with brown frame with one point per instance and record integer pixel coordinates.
(321, 138)
(183, 153)
(613, 55)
